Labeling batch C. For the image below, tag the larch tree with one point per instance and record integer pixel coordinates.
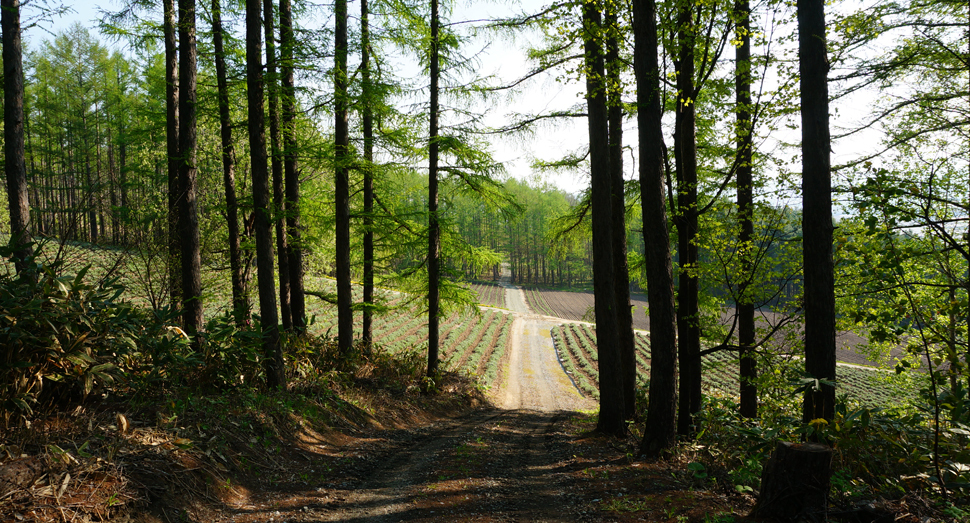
(621, 272)
(170, 25)
(685, 154)
(192, 310)
(342, 160)
(367, 335)
(434, 230)
(612, 409)
(291, 171)
(745, 189)
(659, 433)
(818, 266)
(276, 161)
(272, 352)
(15, 164)
(240, 294)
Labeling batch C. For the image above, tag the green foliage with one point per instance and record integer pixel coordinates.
(62, 338)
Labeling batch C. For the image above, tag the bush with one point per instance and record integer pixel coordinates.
(61, 338)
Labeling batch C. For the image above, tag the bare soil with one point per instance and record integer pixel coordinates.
(578, 306)
(527, 452)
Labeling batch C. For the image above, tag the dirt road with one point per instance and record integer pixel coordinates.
(508, 464)
(536, 379)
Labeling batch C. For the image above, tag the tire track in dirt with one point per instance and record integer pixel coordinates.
(517, 473)
(390, 493)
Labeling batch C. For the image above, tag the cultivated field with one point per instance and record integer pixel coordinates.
(470, 342)
(578, 306)
(490, 294)
(576, 347)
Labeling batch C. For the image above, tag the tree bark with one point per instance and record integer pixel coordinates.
(819, 269)
(434, 233)
(659, 435)
(15, 164)
(685, 152)
(612, 408)
(746, 326)
(290, 169)
(192, 314)
(621, 279)
(279, 205)
(795, 482)
(272, 353)
(172, 149)
(368, 129)
(345, 312)
(240, 293)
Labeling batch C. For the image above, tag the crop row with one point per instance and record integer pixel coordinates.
(490, 294)
(472, 343)
(576, 347)
(478, 345)
(578, 357)
(533, 297)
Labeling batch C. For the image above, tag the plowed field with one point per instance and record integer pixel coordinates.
(578, 306)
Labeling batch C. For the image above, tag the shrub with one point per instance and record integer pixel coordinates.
(61, 338)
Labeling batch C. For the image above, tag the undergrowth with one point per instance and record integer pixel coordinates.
(108, 409)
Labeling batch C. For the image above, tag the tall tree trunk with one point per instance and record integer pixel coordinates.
(659, 432)
(290, 169)
(345, 312)
(279, 205)
(746, 330)
(90, 190)
(685, 151)
(35, 215)
(240, 292)
(434, 232)
(368, 124)
(192, 319)
(272, 352)
(172, 150)
(123, 181)
(113, 189)
(817, 226)
(621, 274)
(612, 408)
(15, 164)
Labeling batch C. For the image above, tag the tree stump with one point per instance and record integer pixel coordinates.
(795, 481)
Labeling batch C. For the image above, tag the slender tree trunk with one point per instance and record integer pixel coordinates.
(686, 158)
(434, 232)
(659, 432)
(35, 215)
(272, 352)
(279, 206)
(291, 172)
(113, 189)
(15, 165)
(368, 124)
(123, 174)
(90, 190)
(745, 305)
(192, 317)
(240, 292)
(621, 279)
(817, 226)
(345, 312)
(172, 149)
(612, 408)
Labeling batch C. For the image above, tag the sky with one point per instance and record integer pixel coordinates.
(506, 60)
(515, 154)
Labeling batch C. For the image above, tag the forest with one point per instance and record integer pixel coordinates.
(329, 211)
